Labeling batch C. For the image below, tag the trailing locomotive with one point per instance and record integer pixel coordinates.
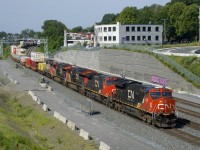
(152, 104)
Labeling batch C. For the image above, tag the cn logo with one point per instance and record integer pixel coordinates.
(131, 94)
(164, 106)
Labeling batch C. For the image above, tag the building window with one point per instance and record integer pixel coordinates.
(133, 29)
(149, 29)
(114, 28)
(109, 29)
(144, 38)
(143, 29)
(109, 38)
(105, 38)
(114, 38)
(133, 38)
(149, 38)
(127, 38)
(138, 38)
(138, 29)
(105, 29)
(157, 29)
(127, 29)
(157, 38)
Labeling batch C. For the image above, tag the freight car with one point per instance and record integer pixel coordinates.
(152, 104)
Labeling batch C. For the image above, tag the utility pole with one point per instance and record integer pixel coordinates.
(199, 27)
(1, 49)
(164, 32)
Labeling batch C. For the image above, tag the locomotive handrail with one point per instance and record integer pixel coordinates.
(176, 112)
(153, 114)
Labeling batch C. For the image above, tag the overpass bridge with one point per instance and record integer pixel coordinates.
(26, 42)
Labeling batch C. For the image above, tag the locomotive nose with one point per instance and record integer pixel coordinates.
(165, 105)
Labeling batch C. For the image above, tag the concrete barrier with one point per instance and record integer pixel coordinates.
(44, 107)
(44, 85)
(50, 88)
(35, 98)
(104, 146)
(71, 125)
(62, 119)
(56, 114)
(38, 101)
(84, 134)
(15, 82)
(9, 77)
(31, 93)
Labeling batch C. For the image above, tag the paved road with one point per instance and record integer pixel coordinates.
(99, 129)
(193, 50)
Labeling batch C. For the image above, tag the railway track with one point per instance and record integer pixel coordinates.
(189, 112)
(181, 122)
(194, 140)
(195, 105)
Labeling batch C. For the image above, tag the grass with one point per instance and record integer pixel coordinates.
(23, 125)
(6, 52)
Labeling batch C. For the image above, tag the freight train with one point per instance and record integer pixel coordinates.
(154, 105)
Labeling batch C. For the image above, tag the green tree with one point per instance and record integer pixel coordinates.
(27, 33)
(89, 29)
(174, 13)
(3, 34)
(149, 14)
(187, 2)
(128, 16)
(77, 29)
(53, 30)
(187, 25)
(108, 19)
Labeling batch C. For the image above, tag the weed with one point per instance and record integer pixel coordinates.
(59, 141)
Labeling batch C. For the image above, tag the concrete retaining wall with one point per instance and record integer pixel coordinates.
(137, 66)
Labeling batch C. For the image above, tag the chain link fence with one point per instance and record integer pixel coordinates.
(146, 49)
(176, 67)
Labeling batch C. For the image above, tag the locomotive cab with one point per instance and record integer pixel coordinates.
(160, 103)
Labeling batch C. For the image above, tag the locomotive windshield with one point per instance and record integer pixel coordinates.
(155, 95)
(167, 94)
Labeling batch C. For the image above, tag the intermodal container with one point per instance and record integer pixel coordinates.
(42, 67)
(23, 60)
(34, 65)
(28, 62)
(37, 56)
(13, 49)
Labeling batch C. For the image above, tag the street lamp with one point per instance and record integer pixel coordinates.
(199, 26)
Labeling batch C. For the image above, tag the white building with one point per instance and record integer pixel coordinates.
(115, 34)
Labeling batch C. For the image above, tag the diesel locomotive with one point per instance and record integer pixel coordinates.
(152, 104)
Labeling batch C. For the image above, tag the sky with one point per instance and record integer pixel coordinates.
(17, 15)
